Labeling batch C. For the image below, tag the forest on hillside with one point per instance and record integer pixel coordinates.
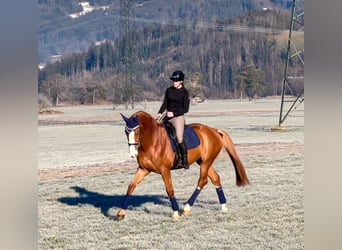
(58, 33)
(217, 62)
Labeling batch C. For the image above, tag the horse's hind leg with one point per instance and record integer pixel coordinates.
(203, 180)
(215, 179)
(139, 176)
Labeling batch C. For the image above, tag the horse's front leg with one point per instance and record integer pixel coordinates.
(166, 175)
(139, 176)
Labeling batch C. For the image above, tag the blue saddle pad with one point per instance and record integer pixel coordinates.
(190, 137)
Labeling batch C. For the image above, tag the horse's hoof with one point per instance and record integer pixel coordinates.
(186, 212)
(175, 216)
(120, 217)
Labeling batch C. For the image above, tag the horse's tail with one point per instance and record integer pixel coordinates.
(241, 176)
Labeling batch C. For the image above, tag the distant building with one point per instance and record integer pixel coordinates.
(55, 58)
(41, 66)
(86, 9)
(103, 41)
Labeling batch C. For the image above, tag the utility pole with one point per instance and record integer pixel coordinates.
(297, 26)
(127, 55)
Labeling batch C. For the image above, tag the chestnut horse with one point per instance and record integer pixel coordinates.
(149, 142)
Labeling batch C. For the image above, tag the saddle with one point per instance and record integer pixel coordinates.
(190, 138)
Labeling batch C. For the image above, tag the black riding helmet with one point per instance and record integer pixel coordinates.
(177, 76)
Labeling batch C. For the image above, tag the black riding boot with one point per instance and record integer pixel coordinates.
(184, 154)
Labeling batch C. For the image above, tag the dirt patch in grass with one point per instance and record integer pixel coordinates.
(47, 175)
(50, 112)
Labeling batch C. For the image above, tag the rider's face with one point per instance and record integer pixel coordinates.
(177, 84)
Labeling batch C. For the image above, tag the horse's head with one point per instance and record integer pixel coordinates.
(140, 128)
(132, 133)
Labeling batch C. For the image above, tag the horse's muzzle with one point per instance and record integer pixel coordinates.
(133, 149)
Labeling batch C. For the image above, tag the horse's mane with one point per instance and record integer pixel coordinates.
(151, 128)
(145, 119)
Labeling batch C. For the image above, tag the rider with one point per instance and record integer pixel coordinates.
(176, 103)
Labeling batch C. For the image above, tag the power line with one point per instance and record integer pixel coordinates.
(175, 22)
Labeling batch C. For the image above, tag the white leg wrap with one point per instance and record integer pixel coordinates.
(224, 208)
(187, 208)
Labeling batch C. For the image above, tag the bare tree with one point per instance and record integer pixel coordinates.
(241, 85)
(43, 102)
(195, 86)
(53, 88)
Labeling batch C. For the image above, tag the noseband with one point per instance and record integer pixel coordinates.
(131, 141)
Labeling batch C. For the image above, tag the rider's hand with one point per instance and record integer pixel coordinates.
(158, 116)
(169, 114)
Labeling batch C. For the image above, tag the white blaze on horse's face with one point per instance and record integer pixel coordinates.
(132, 144)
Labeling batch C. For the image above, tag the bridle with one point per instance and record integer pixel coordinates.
(132, 143)
(133, 133)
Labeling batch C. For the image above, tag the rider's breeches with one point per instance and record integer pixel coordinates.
(178, 123)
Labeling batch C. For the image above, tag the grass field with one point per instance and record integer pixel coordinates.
(84, 170)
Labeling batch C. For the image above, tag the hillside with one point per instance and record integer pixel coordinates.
(58, 33)
(238, 57)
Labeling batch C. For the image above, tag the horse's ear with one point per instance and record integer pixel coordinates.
(124, 117)
(131, 122)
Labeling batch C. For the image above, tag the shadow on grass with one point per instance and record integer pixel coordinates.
(106, 202)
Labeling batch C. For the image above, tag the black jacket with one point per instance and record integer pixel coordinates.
(176, 101)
